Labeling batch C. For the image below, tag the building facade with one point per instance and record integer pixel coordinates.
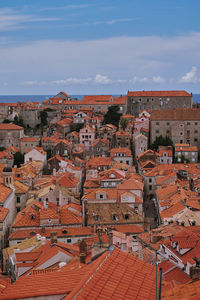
(154, 100)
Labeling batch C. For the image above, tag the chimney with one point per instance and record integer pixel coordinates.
(46, 205)
(82, 258)
(54, 172)
(53, 236)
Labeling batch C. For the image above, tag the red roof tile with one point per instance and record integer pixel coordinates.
(158, 94)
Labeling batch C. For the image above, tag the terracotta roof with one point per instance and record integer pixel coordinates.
(158, 94)
(115, 151)
(130, 184)
(3, 213)
(68, 180)
(173, 210)
(122, 133)
(62, 232)
(185, 147)
(98, 161)
(10, 126)
(184, 114)
(64, 122)
(29, 139)
(4, 193)
(128, 229)
(118, 276)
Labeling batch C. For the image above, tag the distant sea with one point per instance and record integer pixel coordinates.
(32, 98)
(39, 98)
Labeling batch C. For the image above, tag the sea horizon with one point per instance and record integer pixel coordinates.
(39, 98)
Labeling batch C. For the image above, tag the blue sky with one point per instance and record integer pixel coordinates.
(87, 47)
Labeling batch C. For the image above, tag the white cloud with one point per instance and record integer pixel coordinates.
(12, 19)
(154, 79)
(109, 64)
(190, 77)
(114, 21)
(102, 79)
(158, 79)
(72, 80)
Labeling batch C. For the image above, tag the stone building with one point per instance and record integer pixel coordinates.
(10, 135)
(123, 139)
(140, 142)
(154, 100)
(31, 117)
(3, 111)
(186, 152)
(27, 143)
(87, 136)
(108, 132)
(122, 155)
(181, 125)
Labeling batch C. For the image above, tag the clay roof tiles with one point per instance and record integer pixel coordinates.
(158, 94)
(176, 115)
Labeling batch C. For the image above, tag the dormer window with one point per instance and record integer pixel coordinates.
(115, 217)
(112, 176)
(126, 216)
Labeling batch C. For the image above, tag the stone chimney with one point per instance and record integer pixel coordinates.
(54, 238)
(82, 258)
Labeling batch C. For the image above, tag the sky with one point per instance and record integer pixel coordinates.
(99, 47)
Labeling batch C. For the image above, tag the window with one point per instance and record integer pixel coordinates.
(188, 123)
(168, 123)
(101, 196)
(195, 140)
(157, 123)
(115, 217)
(157, 131)
(126, 216)
(150, 187)
(181, 133)
(18, 209)
(195, 123)
(18, 199)
(196, 131)
(181, 141)
(150, 180)
(181, 125)
(49, 220)
(127, 162)
(188, 132)
(69, 240)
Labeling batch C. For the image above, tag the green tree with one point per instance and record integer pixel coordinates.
(49, 153)
(2, 149)
(18, 159)
(18, 121)
(43, 117)
(123, 123)
(112, 116)
(6, 121)
(78, 127)
(161, 141)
